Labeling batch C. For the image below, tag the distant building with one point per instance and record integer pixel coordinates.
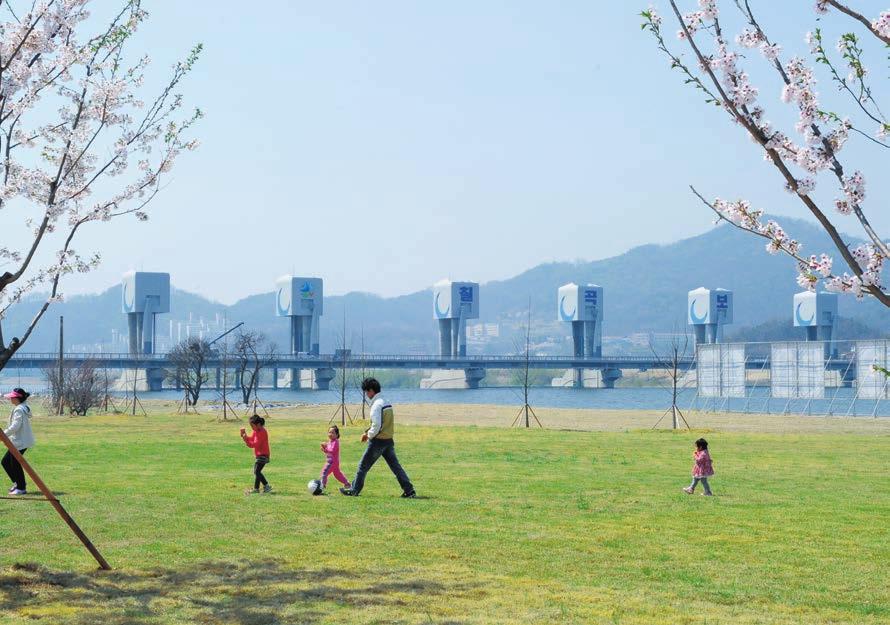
(483, 332)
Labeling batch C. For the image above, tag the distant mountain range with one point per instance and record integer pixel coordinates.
(644, 291)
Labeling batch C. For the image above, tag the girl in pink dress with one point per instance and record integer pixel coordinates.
(331, 449)
(702, 469)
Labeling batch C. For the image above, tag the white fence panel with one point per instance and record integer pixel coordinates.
(708, 370)
(783, 370)
(797, 370)
(871, 384)
(811, 370)
(732, 366)
(720, 370)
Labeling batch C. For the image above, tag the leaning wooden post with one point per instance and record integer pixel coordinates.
(55, 502)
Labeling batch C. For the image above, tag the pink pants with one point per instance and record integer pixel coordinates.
(333, 466)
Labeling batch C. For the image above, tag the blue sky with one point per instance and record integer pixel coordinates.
(385, 146)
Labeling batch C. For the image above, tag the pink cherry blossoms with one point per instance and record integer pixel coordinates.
(854, 190)
(749, 38)
(882, 24)
(812, 151)
(80, 144)
(741, 214)
(872, 262)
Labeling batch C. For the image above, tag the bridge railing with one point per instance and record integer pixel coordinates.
(330, 358)
(87, 356)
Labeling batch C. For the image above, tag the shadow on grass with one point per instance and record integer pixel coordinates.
(32, 496)
(265, 592)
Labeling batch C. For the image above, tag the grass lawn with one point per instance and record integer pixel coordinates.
(513, 526)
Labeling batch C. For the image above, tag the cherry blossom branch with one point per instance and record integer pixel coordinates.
(827, 145)
(60, 163)
(8, 278)
(821, 57)
(858, 17)
(25, 37)
(772, 141)
(12, 12)
(851, 52)
(653, 25)
(68, 264)
(739, 215)
(61, 268)
(156, 113)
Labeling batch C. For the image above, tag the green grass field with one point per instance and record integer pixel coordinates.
(513, 526)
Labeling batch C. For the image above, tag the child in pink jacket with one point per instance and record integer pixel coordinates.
(331, 449)
(702, 469)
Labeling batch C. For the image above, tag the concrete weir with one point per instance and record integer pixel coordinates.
(314, 379)
(578, 378)
(145, 380)
(587, 378)
(453, 378)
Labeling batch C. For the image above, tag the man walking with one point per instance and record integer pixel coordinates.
(380, 443)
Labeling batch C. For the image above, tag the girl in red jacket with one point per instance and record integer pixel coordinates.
(259, 442)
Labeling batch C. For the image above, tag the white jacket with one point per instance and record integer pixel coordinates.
(377, 405)
(19, 429)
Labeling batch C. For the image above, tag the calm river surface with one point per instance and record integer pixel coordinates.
(838, 402)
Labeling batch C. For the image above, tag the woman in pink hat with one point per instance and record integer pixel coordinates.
(20, 435)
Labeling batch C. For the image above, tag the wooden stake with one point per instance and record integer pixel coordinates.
(259, 403)
(50, 497)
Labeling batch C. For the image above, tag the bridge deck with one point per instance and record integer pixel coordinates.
(27, 360)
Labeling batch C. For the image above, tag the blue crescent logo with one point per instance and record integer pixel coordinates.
(439, 313)
(694, 317)
(128, 301)
(283, 311)
(562, 311)
(800, 320)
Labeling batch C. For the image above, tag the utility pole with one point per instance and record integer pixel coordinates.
(363, 373)
(61, 365)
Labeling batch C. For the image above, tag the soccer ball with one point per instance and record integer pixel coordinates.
(314, 487)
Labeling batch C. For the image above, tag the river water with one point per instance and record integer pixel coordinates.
(838, 401)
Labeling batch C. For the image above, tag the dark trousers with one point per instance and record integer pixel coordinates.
(258, 477)
(704, 483)
(14, 470)
(375, 449)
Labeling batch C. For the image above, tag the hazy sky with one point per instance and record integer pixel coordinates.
(384, 146)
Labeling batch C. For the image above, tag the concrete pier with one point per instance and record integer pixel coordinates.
(453, 378)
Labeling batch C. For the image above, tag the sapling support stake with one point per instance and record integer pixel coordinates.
(51, 498)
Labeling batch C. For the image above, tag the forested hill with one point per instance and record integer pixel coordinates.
(645, 290)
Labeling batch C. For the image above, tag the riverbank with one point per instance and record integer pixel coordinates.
(487, 415)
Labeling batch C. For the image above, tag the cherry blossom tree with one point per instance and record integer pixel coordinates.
(813, 150)
(78, 143)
